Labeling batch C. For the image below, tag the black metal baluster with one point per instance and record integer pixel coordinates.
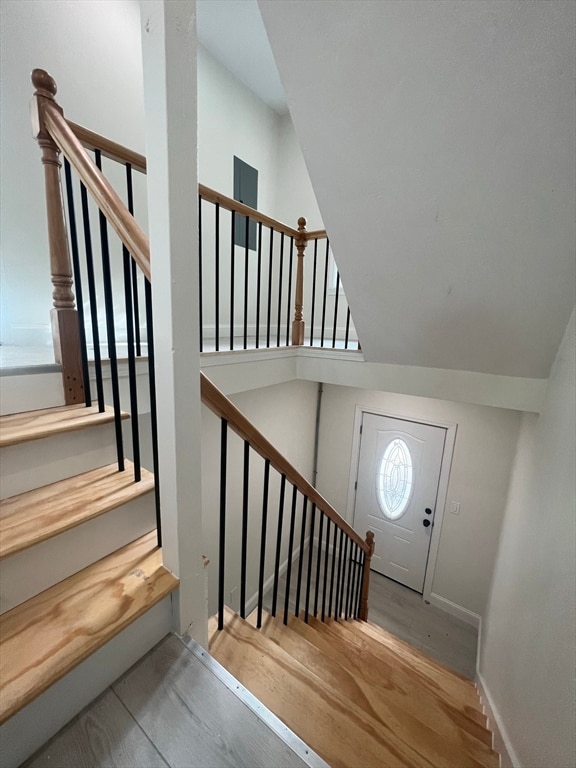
(341, 602)
(153, 409)
(217, 278)
(77, 282)
(336, 309)
(347, 328)
(349, 581)
(290, 553)
(232, 270)
(278, 543)
(353, 564)
(356, 581)
(244, 545)
(333, 571)
(92, 297)
(246, 285)
(326, 554)
(359, 585)
(310, 556)
(280, 286)
(288, 306)
(338, 573)
(258, 284)
(133, 267)
(313, 303)
(263, 541)
(110, 329)
(318, 562)
(301, 555)
(200, 278)
(270, 263)
(127, 259)
(322, 330)
(222, 531)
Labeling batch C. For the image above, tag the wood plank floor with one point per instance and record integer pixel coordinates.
(168, 710)
(403, 613)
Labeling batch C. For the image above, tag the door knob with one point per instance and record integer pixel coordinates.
(426, 523)
(428, 511)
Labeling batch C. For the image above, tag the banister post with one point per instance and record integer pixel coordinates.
(363, 614)
(64, 317)
(298, 323)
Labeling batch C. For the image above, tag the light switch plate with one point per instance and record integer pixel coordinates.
(455, 507)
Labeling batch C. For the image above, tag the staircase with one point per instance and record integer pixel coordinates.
(79, 555)
(355, 693)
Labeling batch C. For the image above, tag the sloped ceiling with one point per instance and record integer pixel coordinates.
(440, 140)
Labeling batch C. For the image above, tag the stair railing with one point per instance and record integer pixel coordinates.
(323, 558)
(252, 270)
(56, 138)
(332, 562)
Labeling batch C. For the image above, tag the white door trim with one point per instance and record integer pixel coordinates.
(451, 429)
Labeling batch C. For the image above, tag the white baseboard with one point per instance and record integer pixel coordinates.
(501, 739)
(454, 609)
(252, 602)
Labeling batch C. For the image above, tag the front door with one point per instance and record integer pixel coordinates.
(397, 486)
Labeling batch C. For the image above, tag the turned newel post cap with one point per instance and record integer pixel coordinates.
(370, 541)
(301, 222)
(43, 81)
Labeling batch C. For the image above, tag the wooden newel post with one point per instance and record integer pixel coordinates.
(363, 615)
(298, 324)
(65, 328)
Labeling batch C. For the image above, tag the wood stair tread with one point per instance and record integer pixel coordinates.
(33, 425)
(47, 636)
(338, 729)
(438, 679)
(424, 701)
(399, 687)
(37, 515)
(442, 738)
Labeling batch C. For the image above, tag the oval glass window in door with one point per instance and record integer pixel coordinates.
(394, 479)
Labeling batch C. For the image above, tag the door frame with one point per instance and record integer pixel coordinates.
(441, 501)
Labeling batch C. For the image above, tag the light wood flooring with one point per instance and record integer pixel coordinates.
(403, 613)
(168, 710)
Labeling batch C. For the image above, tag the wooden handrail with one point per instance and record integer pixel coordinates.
(233, 205)
(116, 213)
(91, 140)
(225, 408)
(317, 234)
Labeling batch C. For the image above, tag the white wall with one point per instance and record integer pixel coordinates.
(93, 50)
(528, 633)
(285, 414)
(483, 455)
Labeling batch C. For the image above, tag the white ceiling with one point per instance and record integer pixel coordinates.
(440, 141)
(233, 32)
(439, 136)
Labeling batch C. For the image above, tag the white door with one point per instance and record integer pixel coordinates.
(396, 491)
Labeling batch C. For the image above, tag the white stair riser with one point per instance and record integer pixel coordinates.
(37, 568)
(30, 392)
(40, 462)
(30, 728)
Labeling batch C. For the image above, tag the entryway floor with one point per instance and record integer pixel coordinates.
(404, 613)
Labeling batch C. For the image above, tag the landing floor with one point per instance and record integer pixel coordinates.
(168, 710)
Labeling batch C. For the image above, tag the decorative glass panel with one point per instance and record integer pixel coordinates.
(394, 479)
